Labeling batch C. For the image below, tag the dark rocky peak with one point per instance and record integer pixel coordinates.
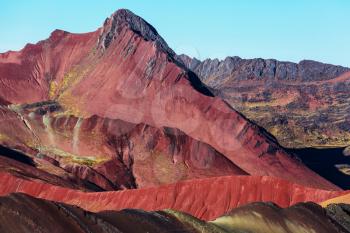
(313, 70)
(125, 18)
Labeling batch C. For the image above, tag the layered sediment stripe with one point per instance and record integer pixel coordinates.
(203, 198)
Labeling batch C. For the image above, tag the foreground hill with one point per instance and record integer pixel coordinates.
(59, 217)
(118, 94)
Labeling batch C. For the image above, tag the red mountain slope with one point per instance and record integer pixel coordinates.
(203, 198)
(108, 154)
(126, 71)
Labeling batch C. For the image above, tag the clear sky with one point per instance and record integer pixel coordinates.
(286, 30)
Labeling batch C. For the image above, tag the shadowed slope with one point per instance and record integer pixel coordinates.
(253, 218)
(44, 216)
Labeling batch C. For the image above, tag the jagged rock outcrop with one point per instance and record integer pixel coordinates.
(260, 69)
(302, 105)
(125, 18)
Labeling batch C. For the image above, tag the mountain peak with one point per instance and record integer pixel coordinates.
(125, 18)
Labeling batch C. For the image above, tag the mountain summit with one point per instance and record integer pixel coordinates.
(125, 18)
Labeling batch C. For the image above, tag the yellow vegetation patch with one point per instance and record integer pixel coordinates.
(4, 138)
(63, 92)
(53, 89)
(73, 158)
(72, 105)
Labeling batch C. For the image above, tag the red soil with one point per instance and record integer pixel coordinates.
(204, 198)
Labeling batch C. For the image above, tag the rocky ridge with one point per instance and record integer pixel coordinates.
(302, 105)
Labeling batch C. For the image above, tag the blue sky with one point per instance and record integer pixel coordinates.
(286, 30)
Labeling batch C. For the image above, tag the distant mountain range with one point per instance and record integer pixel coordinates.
(302, 105)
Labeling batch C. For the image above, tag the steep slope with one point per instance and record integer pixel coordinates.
(203, 198)
(59, 217)
(302, 105)
(125, 71)
(108, 154)
(31, 75)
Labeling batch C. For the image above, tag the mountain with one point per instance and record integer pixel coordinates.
(59, 217)
(117, 110)
(125, 72)
(302, 105)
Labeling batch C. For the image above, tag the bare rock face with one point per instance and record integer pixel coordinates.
(114, 25)
(302, 105)
(258, 69)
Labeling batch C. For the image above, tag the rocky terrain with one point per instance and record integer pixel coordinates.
(302, 105)
(59, 217)
(114, 119)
